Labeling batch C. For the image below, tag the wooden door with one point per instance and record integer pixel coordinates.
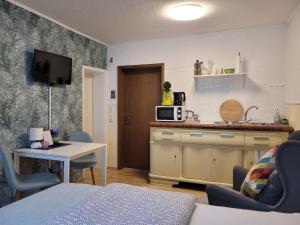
(139, 93)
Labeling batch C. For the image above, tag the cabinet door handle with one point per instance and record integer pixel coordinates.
(196, 134)
(261, 138)
(262, 145)
(214, 159)
(167, 139)
(175, 156)
(226, 136)
(167, 133)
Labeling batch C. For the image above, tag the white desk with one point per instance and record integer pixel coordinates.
(65, 154)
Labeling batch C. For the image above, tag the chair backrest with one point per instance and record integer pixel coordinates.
(80, 136)
(294, 136)
(288, 166)
(8, 166)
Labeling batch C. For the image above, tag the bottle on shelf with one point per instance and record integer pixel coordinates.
(239, 66)
(277, 118)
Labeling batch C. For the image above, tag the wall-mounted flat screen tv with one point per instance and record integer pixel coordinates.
(51, 68)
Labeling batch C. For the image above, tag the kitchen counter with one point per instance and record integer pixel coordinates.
(192, 124)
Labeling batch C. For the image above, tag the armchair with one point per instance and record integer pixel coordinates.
(288, 168)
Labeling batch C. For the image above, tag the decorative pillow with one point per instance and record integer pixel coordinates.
(258, 175)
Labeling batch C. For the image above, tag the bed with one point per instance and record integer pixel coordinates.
(122, 204)
(79, 204)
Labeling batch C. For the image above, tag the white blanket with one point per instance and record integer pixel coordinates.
(122, 204)
(117, 204)
(214, 215)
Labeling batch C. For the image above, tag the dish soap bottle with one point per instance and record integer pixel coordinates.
(277, 118)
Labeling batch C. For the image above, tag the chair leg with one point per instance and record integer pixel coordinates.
(17, 196)
(92, 172)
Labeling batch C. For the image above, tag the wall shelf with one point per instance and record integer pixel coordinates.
(238, 76)
(220, 75)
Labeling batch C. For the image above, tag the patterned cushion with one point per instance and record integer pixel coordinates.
(258, 175)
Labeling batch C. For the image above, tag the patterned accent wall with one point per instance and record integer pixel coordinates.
(24, 104)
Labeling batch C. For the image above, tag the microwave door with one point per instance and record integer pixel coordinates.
(165, 113)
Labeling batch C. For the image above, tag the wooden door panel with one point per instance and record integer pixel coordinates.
(142, 94)
(196, 162)
(164, 159)
(224, 159)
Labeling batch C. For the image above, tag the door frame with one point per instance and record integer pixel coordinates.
(97, 72)
(121, 84)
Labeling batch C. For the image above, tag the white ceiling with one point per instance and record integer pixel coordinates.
(116, 21)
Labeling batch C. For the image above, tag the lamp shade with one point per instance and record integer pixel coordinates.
(36, 134)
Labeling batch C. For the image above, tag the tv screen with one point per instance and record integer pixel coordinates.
(51, 68)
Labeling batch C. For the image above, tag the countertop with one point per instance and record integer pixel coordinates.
(192, 124)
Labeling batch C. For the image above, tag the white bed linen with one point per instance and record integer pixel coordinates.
(214, 215)
(114, 204)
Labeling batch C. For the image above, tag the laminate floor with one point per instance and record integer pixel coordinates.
(139, 178)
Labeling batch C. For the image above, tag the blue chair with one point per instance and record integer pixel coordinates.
(22, 183)
(84, 162)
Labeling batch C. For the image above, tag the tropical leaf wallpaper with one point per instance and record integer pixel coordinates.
(24, 104)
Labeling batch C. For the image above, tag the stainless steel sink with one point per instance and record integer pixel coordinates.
(246, 123)
(255, 123)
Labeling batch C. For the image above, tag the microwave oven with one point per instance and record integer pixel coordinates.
(170, 113)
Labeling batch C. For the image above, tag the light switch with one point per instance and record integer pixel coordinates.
(112, 94)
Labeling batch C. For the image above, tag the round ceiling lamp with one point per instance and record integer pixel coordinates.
(186, 12)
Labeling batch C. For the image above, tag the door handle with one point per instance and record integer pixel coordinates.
(127, 119)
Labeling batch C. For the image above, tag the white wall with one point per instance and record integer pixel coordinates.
(293, 69)
(264, 51)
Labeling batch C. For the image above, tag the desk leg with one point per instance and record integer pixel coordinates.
(17, 163)
(67, 170)
(103, 165)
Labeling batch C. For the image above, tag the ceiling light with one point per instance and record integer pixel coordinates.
(186, 12)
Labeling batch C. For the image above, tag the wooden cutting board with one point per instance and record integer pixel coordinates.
(231, 111)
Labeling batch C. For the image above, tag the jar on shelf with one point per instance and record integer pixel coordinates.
(198, 67)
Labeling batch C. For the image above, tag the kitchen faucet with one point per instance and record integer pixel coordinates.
(247, 111)
(194, 116)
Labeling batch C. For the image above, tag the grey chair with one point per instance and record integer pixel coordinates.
(84, 162)
(281, 192)
(23, 183)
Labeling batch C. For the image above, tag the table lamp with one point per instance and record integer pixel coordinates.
(36, 135)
